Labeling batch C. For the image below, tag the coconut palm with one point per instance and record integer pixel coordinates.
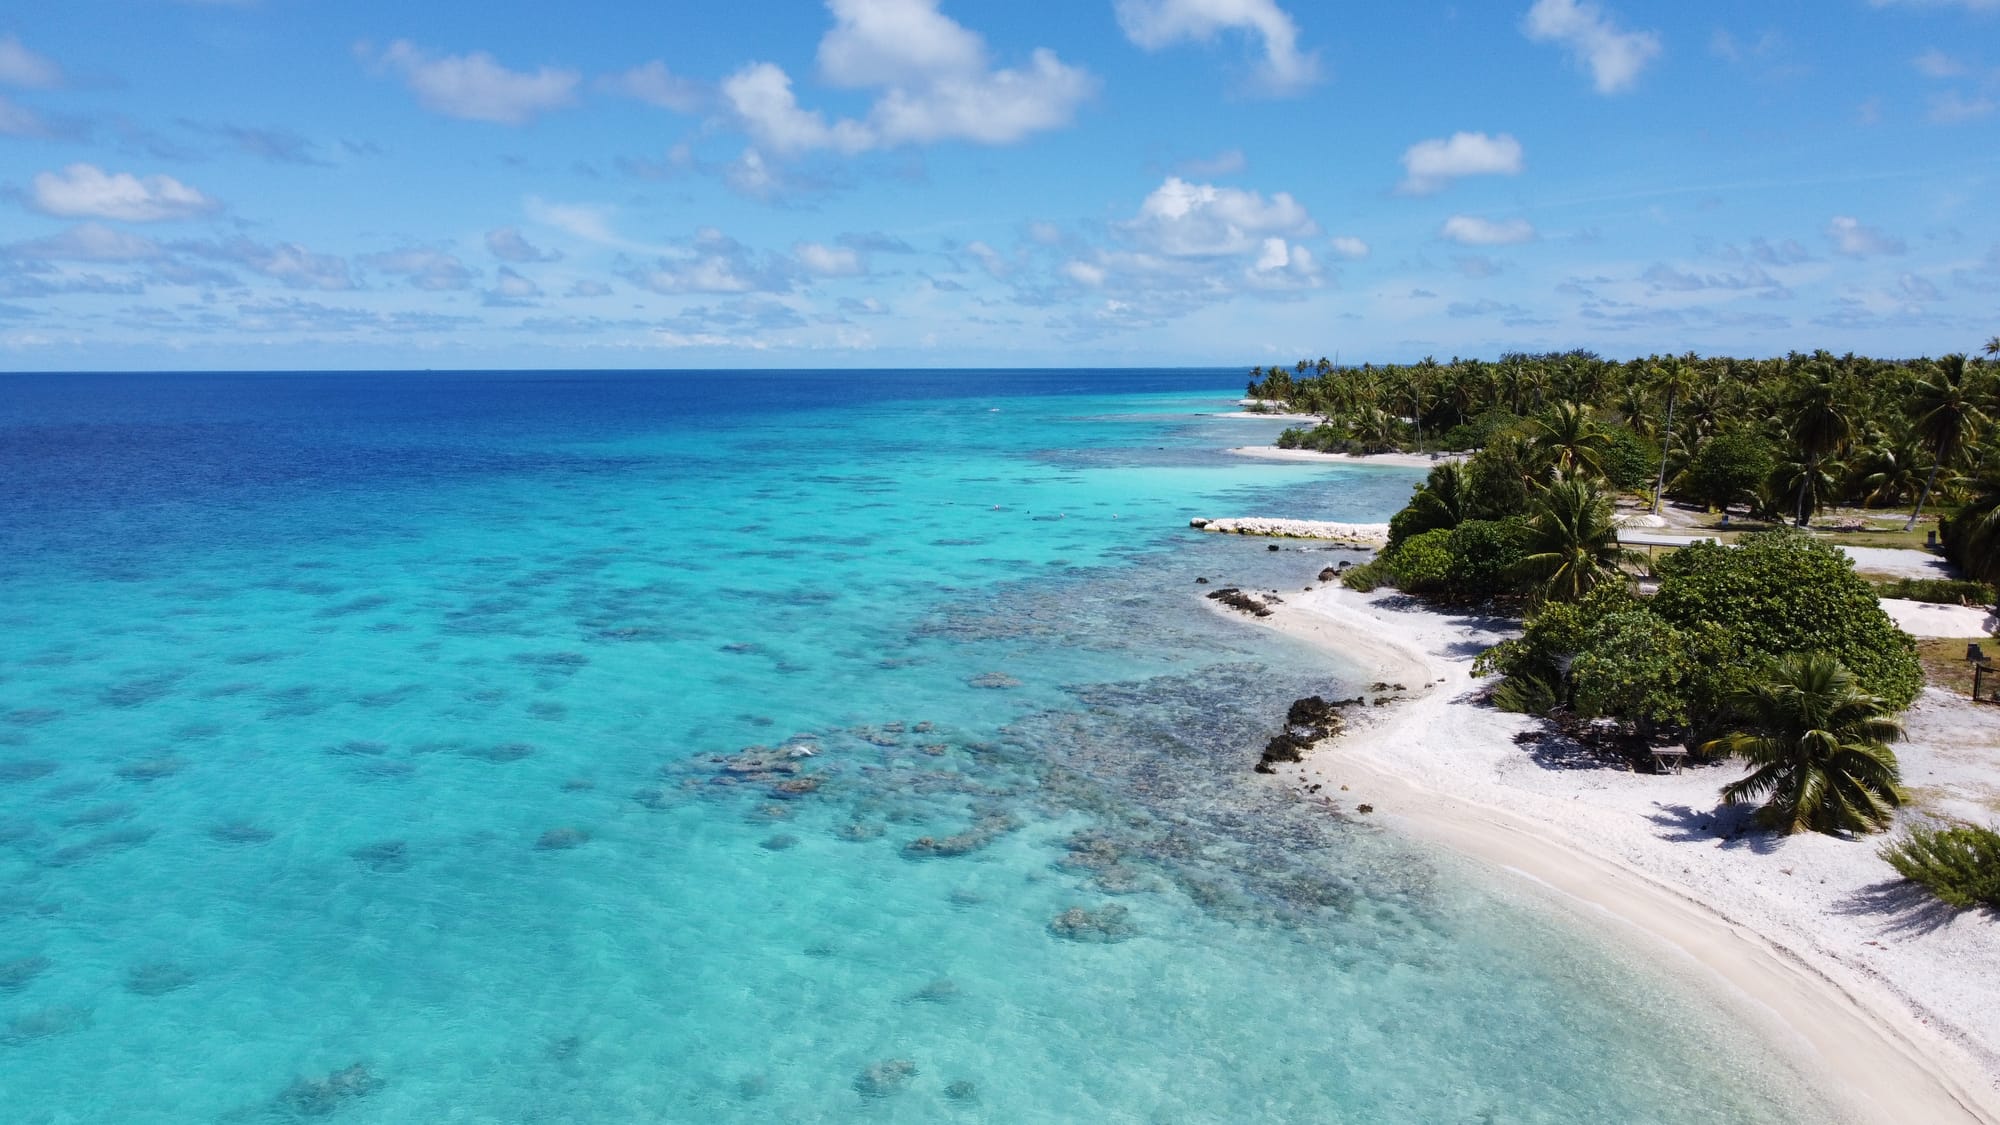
(1672, 377)
(1993, 346)
(1944, 409)
(1568, 436)
(1572, 544)
(1819, 421)
(1818, 748)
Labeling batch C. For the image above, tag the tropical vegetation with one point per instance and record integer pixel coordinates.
(1960, 864)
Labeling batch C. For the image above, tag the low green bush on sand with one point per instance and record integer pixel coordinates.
(1960, 865)
(1941, 591)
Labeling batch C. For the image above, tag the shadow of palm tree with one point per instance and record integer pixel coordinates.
(1903, 906)
(1735, 827)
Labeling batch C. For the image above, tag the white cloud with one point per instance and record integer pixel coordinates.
(1429, 166)
(896, 43)
(1084, 273)
(507, 245)
(1348, 246)
(655, 85)
(24, 69)
(990, 260)
(287, 263)
(512, 290)
(85, 191)
(1851, 238)
(1936, 64)
(994, 108)
(1185, 220)
(1228, 162)
(1153, 24)
(761, 94)
(432, 270)
(936, 84)
(475, 86)
(712, 262)
(828, 261)
(1614, 57)
(1469, 230)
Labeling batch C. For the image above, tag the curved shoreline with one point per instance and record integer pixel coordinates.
(1870, 1039)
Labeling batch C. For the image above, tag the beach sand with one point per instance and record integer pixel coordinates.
(1896, 1001)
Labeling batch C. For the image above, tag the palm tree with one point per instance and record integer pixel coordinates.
(1945, 411)
(1819, 422)
(1993, 346)
(1569, 436)
(1675, 376)
(1572, 545)
(1819, 749)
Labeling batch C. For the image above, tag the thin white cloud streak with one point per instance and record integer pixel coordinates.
(475, 86)
(1470, 230)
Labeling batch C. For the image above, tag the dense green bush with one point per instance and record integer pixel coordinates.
(1498, 478)
(1783, 592)
(1726, 470)
(1941, 591)
(1442, 501)
(1630, 460)
(1421, 564)
(1960, 865)
(1484, 557)
(1324, 438)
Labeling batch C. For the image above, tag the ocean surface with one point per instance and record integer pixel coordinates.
(584, 747)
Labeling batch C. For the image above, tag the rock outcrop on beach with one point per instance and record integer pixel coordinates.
(1253, 604)
(1307, 721)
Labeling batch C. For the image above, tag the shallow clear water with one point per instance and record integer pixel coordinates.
(456, 727)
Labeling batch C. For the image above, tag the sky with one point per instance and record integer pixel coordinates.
(312, 184)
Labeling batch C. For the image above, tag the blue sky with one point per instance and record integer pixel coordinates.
(311, 184)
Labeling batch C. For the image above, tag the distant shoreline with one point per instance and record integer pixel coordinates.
(1393, 460)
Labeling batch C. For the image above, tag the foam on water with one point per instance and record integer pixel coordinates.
(655, 748)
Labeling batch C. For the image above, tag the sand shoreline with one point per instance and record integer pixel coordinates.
(1902, 1037)
(1314, 456)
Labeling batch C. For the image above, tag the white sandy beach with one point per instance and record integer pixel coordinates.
(1897, 1000)
(1394, 460)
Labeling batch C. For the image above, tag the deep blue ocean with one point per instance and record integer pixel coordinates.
(715, 747)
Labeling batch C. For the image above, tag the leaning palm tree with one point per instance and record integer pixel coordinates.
(1993, 346)
(1674, 377)
(1819, 748)
(1572, 545)
(1945, 410)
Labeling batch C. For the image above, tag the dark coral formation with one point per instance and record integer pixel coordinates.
(1238, 600)
(1307, 722)
(319, 1097)
(885, 1077)
(1111, 924)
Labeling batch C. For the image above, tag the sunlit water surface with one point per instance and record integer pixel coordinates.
(621, 748)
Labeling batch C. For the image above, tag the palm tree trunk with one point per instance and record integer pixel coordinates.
(1805, 482)
(1922, 497)
(1660, 485)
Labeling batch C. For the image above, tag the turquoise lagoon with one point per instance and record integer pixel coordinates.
(571, 747)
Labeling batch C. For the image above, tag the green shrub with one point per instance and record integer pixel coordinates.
(1782, 593)
(1484, 556)
(1941, 591)
(1630, 460)
(1727, 469)
(1421, 564)
(1524, 695)
(1960, 865)
(1367, 577)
